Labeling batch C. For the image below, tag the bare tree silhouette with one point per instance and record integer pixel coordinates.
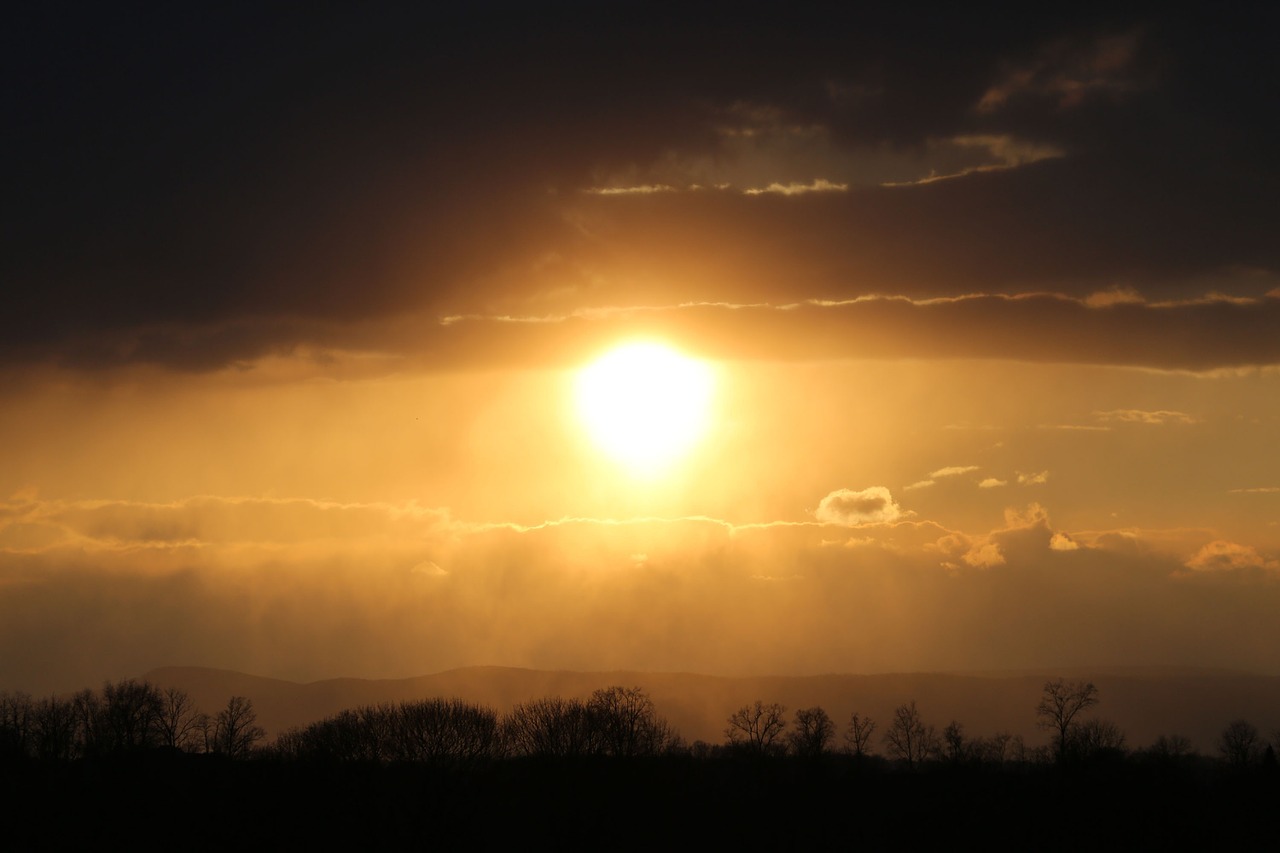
(627, 722)
(1240, 743)
(1061, 703)
(757, 727)
(857, 736)
(908, 738)
(176, 718)
(811, 733)
(235, 728)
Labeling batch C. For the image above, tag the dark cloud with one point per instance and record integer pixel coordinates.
(1190, 335)
(196, 186)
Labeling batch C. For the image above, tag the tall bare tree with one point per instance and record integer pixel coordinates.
(857, 736)
(176, 718)
(628, 723)
(1240, 743)
(552, 726)
(811, 732)
(1059, 706)
(757, 727)
(16, 710)
(955, 747)
(54, 729)
(129, 717)
(444, 730)
(908, 738)
(235, 728)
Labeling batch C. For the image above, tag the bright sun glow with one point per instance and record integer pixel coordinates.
(645, 404)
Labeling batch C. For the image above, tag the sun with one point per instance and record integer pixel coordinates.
(645, 405)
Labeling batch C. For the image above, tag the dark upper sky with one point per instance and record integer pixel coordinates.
(197, 186)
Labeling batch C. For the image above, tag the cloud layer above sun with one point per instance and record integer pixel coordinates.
(1084, 186)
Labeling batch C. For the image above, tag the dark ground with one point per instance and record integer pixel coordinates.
(208, 803)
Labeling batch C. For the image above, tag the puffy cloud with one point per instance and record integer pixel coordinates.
(1222, 555)
(992, 483)
(1033, 479)
(1034, 515)
(1062, 542)
(869, 506)
(984, 556)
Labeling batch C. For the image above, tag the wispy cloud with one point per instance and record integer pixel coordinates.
(818, 185)
(641, 189)
(1067, 72)
(1139, 416)
(953, 470)
(1000, 153)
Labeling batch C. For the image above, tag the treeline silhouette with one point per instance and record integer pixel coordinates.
(133, 716)
(609, 772)
(126, 717)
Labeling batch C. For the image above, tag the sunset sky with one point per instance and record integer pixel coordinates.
(970, 325)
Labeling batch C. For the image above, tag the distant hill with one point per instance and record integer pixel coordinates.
(1144, 702)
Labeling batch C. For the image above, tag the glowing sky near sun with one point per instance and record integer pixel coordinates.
(581, 340)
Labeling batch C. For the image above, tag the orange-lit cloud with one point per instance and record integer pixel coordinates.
(866, 506)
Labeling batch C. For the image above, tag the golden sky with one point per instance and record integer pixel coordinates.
(975, 329)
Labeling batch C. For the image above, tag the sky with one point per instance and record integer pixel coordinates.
(983, 310)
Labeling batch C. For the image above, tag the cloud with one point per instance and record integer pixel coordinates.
(984, 556)
(210, 521)
(992, 483)
(404, 600)
(1261, 490)
(1222, 555)
(954, 470)
(1069, 72)
(1036, 327)
(1138, 416)
(1033, 479)
(872, 505)
(504, 157)
(1062, 542)
(1114, 296)
(818, 185)
(919, 484)
(1001, 153)
(642, 189)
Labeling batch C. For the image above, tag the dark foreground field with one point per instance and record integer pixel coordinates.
(175, 801)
